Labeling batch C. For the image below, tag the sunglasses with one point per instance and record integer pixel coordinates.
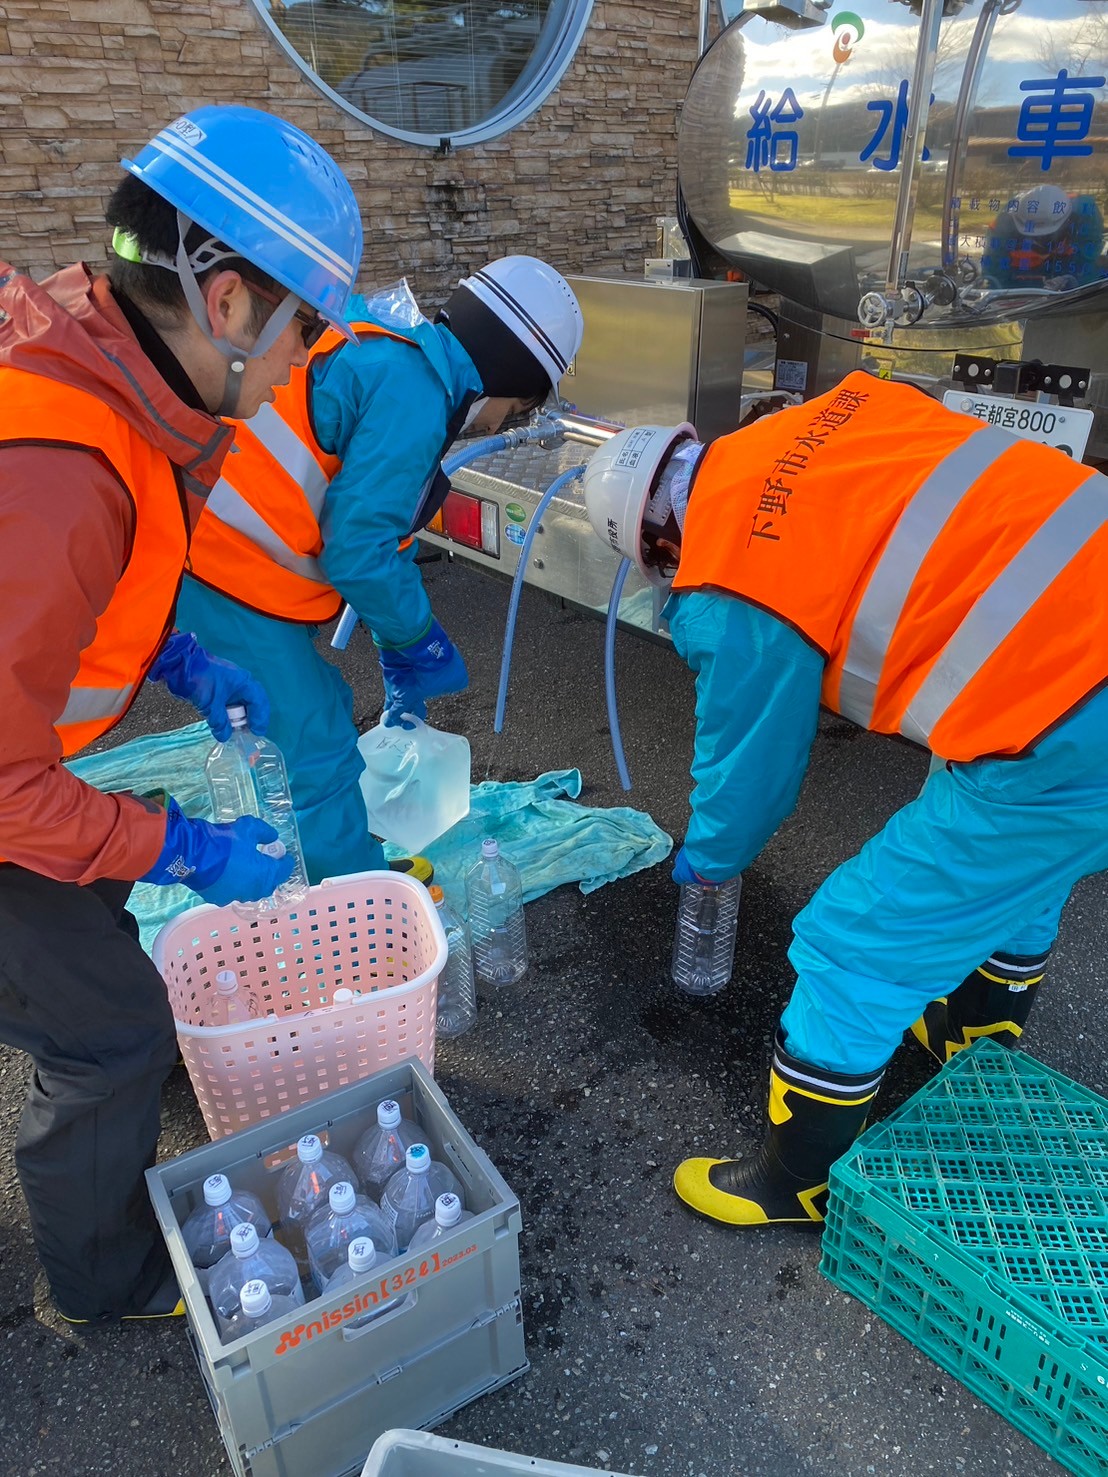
(312, 326)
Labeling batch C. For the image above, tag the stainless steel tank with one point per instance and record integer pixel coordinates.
(915, 178)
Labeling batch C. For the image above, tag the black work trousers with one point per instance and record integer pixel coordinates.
(80, 997)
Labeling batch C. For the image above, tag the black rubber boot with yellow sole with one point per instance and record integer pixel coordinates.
(418, 868)
(814, 1117)
(994, 1001)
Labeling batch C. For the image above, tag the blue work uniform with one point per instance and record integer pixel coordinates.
(383, 407)
(982, 860)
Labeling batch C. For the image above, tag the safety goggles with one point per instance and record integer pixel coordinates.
(312, 326)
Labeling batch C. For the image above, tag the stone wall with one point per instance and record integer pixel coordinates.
(580, 183)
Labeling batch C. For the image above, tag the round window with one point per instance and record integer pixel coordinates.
(430, 72)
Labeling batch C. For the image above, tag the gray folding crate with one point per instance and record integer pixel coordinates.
(417, 1454)
(308, 1395)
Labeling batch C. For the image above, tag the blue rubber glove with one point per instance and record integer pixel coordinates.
(210, 684)
(220, 862)
(683, 871)
(429, 667)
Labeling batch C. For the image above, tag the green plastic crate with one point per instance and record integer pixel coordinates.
(974, 1220)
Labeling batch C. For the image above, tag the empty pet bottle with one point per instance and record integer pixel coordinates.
(230, 1005)
(207, 1232)
(448, 1215)
(380, 1150)
(247, 776)
(410, 1195)
(251, 1259)
(704, 940)
(457, 1008)
(361, 1257)
(257, 1307)
(494, 897)
(303, 1188)
(346, 1216)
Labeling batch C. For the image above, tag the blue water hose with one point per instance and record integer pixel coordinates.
(517, 585)
(610, 672)
(488, 447)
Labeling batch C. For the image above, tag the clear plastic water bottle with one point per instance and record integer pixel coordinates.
(303, 1188)
(346, 1216)
(704, 940)
(247, 776)
(457, 1009)
(494, 897)
(448, 1215)
(251, 1259)
(230, 1005)
(380, 1150)
(410, 1195)
(361, 1257)
(207, 1232)
(257, 1307)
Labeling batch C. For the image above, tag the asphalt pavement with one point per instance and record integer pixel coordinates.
(661, 1344)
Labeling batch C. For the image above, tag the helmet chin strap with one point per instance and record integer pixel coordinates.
(237, 358)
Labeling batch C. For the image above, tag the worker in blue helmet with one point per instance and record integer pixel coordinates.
(237, 240)
(320, 503)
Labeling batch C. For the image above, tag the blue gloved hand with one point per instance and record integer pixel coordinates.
(429, 667)
(220, 862)
(210, 684)
(683, 871)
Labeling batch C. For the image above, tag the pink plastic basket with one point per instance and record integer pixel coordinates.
(377, 933)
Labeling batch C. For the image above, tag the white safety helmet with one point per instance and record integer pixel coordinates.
(536, 304)
(620, 481)
(1042, 210)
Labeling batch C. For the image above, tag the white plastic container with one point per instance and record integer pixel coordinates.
(415, 783)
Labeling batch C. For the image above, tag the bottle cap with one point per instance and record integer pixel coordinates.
(418, 1159)
(342, 997)
(255, 1298)
(237, 714)
(217, 1189)
(437, 895)
(226, 981)
(341, 1197)
(489, 847)
(309, 1149)
(388, 1114)
(244, 1239)
(361, 1254)
(448, 1210)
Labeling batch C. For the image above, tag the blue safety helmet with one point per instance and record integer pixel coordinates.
(266, 189)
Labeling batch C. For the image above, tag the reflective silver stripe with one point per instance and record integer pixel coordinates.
(88, 704)
(1000, 608)
(917, 529)
(287, 449)
(231, 508)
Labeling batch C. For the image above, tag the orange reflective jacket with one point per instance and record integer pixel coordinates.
(131, 630)
(258, 539)
(954, 577)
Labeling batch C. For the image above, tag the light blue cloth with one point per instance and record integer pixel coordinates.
(311, 722)
(548, 837)
(757, 708)
(540, 829)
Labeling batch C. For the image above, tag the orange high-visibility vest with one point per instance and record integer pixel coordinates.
(954, 577)
(131, 630)
(258, 539)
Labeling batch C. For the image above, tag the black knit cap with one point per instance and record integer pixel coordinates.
(507, 367)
